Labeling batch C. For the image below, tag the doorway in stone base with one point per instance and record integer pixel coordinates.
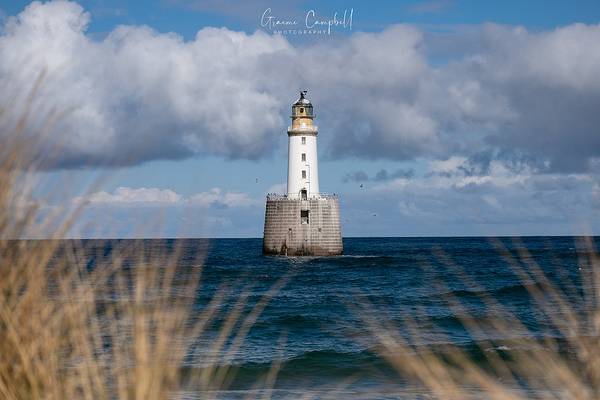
(303, 194)
(304, 216)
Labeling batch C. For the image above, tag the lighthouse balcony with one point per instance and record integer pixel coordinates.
(324, 196)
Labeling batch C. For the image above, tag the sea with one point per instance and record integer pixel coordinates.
(321, 315)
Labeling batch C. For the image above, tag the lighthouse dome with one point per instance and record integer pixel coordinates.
(303, 101)
(302, 107)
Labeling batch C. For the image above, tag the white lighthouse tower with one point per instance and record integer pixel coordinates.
(303, 221)
(303, 166)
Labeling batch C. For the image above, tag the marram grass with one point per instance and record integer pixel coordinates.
(120, 330)
(561, 361)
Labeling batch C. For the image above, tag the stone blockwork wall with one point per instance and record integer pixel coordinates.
(286, 234)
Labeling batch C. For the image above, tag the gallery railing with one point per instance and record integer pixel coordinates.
(275, 196)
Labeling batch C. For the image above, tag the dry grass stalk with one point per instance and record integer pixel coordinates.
(541, 368)
(122, 329)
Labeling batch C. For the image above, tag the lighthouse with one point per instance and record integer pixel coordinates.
(303, 166)
(303, 221)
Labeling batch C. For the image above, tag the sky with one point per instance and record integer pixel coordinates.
(168, 118)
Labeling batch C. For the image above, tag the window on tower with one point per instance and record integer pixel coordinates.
(303, 174)
(303, 140)
(303, 156)
(301, 110)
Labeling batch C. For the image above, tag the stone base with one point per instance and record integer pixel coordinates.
(291, 231)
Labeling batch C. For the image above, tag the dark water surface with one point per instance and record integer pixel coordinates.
(315, 314)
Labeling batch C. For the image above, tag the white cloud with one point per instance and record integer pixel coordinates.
(446, 166)
(454, 202)
(216, 196)
(139, 95)
(205, 199)
(152, 212)
(126, 196)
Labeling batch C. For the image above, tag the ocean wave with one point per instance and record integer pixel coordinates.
(311, 365)
(292, 321)
(368, 364)
(511, 290)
